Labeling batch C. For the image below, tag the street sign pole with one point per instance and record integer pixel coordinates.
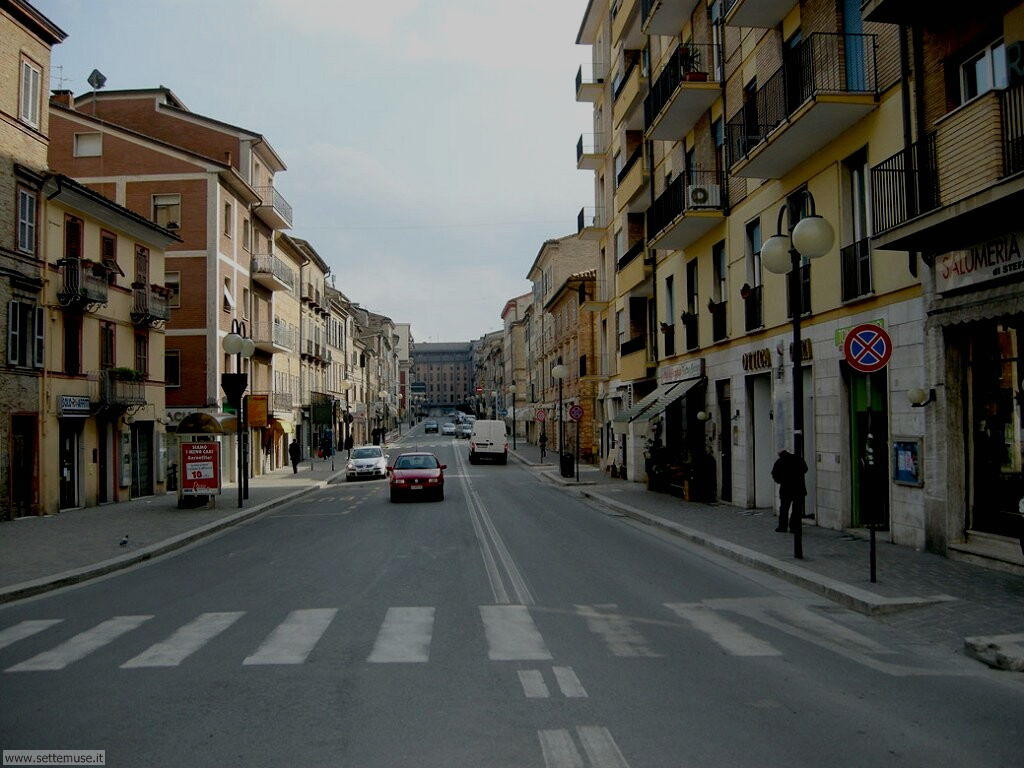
(577, 451)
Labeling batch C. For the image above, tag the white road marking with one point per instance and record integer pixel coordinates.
(618, 632)
(81, 645)
(558, 749)
(601, 749)
(533, 684)
(25, 629)
(185, 641)
(725, 633)
(569, 683)
(511, 634)
(404, 636)
(294, 638)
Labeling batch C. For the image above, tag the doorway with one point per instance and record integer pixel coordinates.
(142, 459)
(810, 479)
(869, 450)
(762, 449)
(23, 465)
(725, 437)
(69, 435)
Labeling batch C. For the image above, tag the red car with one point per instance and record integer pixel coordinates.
(417, 474)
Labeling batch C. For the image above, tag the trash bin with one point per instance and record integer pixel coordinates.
(567, 465)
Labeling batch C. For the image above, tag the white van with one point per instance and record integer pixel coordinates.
(488, 441)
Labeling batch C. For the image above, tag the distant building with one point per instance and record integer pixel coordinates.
(446, 371)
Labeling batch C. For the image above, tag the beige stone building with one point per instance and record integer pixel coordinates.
(514, 319)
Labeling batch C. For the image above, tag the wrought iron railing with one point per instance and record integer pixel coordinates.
(284, 335)
(690, 62)
(281, 401)
(752, 309)
(271, 197)
(691, 190)
(119, 392)
(905, 185)
(855, 266)
(82, 284)
(271, 265)
(149, 304)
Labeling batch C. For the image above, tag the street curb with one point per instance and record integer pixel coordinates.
(555, 477)
(49, 583)
(852, 597)
(515, 455)
(998, 651)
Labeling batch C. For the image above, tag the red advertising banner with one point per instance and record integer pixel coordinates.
(200, 469)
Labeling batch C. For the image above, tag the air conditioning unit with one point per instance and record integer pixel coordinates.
(704, 196)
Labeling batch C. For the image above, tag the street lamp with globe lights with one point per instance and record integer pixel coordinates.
(811, 236)
(559, 372)
(238, 343)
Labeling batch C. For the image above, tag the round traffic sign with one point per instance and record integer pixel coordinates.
(540, 415)
(479, 390)
(867, 348)
(576, 412)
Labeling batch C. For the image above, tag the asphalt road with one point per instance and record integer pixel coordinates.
(509, 625)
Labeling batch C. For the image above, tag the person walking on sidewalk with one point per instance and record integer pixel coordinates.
(543, 441)
(788, 472)
(295, 453)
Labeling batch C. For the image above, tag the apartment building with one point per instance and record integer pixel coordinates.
(951, 192)
(446, 371)
(340, 383)
(316, 404)
(26, 38)
(489, 375)
(404, 354)
(734, 111)
(212, 183)
(103, 415)
(513, 319)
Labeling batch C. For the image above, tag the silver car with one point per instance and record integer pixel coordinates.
(367, 462)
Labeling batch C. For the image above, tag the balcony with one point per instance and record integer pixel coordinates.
(685, 89)
(826, 85)
(666, 17)
(311, 295)
(626, 24)
(273, 209)
(602, 294)
(590, 224)
(632, 184)
(634, 359)
(590, 152)
(855, 268)
(281, 401)
(760, 14)
(719, 320)
(149, 304)
(962, 180)
(273, 336)
(83, 284)
(752, 317)
(272, 273)
(599, 367)
(628, 92)
(118, 392)
(632, 269)
(316, 351)
(690, 207)
(590, 82)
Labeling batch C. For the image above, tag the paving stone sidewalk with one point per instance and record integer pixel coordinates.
(35, 548)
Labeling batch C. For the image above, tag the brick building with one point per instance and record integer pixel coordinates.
(446, 370)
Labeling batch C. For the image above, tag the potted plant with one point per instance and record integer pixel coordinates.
(689, 62)
(687, 317)
(126, 374)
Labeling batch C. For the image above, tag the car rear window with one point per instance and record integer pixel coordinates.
(366, 453)
(416, 462)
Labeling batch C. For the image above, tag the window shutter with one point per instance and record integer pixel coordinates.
(34, 95)
(26, 90)
(40, 319)
(13, 332)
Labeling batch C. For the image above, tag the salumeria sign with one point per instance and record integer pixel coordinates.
(987, 261)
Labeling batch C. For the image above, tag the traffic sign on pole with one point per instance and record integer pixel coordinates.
(479, 390)
(540, 415)
(576, 412)
(867, 348)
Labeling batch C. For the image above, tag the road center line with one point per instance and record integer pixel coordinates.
(511, 634)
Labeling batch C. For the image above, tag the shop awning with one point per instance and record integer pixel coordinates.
(200, 423)
(657, 401)
(282, 426)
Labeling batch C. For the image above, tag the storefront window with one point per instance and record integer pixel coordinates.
(995, 368)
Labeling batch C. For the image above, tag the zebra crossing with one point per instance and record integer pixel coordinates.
(740, 627)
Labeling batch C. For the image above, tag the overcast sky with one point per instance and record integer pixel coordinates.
(430, 144)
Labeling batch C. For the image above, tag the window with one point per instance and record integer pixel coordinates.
(27, 204)
(25, 330)
(172, 368)
(142, 353)
(72, 344)
(172, 280)
(88, 144)
(983, 71)
(691, 287)
(72, 237)
(229, 296)
(246, 234)
(167, 211)
(670, 300)
(31, 78)
(227, 219)
(108, 342)
(617, 165)
(620, 328)
(720, 271)
(245, 303)
(754, 252)
(108, 255)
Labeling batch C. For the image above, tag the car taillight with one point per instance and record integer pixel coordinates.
(472, 446)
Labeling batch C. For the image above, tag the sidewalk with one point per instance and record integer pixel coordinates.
(951, 599)
(529, 454)
(42, 553)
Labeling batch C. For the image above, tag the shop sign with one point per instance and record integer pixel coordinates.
(990, 260)
(840, 336)
(806, 350)
(689, 369)
(126, 459)
(200, 469)
(73, 405)
(757, 360)
(907, 458)
(256, 410)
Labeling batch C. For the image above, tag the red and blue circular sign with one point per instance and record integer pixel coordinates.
(867, 348)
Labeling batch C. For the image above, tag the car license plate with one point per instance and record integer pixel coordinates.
(416, 487)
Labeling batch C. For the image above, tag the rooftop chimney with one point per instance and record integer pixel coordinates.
(63, 97)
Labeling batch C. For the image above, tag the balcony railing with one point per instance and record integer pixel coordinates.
(83, 284)
(855, 263)
(752, 309)
(636, 344)
(825, 62)
(622, 78)
(718, 320)
(149, 305)
(1012, 105)
(695, 190)
(117, 392)
(905, 185)
(284, 336)
(630, 162)
(805, 291)
(589, 218)
(281, 401)
(311, 293)
(689, 63)
(627, 258)
(589, 81)
(270, 265)
(274, 200)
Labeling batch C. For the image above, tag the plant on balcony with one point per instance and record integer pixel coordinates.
(688, 317)
(690, 63)
(126, 374)
(745, 291)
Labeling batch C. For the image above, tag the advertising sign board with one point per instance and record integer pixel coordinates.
(200, 469)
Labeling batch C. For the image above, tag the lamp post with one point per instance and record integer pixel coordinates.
(400, 413)
(238, 343)
(560, 372)
(384, 414)
(512, 392)
(809, 236)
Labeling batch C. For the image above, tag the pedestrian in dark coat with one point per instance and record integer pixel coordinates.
(295, 453)
(788, 472)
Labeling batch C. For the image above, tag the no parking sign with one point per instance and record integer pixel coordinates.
(867, 348)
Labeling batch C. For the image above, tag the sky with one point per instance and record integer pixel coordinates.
(430, 144)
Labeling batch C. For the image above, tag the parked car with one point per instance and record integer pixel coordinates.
(488, 440)
(429, 426)
(464, 430)
(417, 474)
(366, 462)
(448, 429)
